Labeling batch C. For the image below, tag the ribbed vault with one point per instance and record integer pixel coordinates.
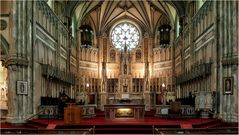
(146, 14)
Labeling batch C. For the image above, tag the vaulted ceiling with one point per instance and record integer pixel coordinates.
(146, 14)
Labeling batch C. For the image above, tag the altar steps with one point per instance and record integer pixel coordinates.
(123, 129)
(99, 113)
(150, 113)
(216, 124)
(35, 124)
(210, 124)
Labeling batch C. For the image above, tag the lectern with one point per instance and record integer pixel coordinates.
(72, 114)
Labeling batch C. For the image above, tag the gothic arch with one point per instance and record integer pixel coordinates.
(4, 47)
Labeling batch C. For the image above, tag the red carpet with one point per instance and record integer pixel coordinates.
(147, 121)
(8, 125)
(102, 126)
(186, 126)
(51, 126)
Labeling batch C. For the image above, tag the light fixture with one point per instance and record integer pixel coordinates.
(87, 85)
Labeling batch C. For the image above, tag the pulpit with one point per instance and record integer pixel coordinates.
(72, 114)
(175, 110)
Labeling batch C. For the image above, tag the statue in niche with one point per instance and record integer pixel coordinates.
(125, 88)
(125, 69)
(146, 69)
(2, 94)
(147, 85)
(112, 55)
(103, 65)
(82, 98)
(103, 85)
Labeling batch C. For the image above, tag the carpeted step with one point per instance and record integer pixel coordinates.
(9, 125)
(123, 130)
(215, 125)
(186, 126)
(99, 113)
(35, 124)
(206, 124)
(150, 113)
(51, 126)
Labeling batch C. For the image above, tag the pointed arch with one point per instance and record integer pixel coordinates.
(4, 47)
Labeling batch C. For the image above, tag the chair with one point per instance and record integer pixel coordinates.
(175, 110)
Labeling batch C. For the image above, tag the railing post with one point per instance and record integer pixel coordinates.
(153, 129)
(93, 129)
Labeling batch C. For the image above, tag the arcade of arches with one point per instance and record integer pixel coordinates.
(99, 52)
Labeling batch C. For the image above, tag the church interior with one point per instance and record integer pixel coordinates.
(112, 67)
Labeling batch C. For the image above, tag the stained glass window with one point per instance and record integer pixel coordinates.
(125, 34)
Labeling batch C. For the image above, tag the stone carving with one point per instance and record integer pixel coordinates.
(209, 101)
(3, 24)
(82, 98)
(203, 100)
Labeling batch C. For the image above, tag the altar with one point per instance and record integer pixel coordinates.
(124, 112)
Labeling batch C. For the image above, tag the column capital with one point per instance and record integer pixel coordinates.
(15, 60)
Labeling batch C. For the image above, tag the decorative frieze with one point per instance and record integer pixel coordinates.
(47, 111)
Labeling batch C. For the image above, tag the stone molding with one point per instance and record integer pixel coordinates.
(18, 61)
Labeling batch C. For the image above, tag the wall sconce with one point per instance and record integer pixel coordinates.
(87, 85)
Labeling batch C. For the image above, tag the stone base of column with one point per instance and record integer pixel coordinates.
(147, 101)
(204, 114)
(15, 120)
(103, 99)
(230, 118)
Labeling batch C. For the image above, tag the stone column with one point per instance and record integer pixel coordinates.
(19, 63)
(227, 36)
(102, 43)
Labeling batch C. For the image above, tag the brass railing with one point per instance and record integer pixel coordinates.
(224, 130)
(83, 131)
(34, 115)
